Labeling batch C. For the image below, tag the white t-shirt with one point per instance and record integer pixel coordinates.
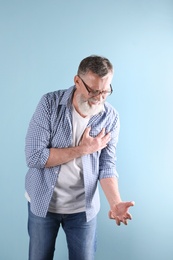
(69, 194)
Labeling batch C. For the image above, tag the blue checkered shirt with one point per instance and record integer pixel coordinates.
(51, 126)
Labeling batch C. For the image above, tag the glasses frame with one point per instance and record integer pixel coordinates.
(95, 93)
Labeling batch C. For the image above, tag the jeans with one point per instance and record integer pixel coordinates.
(80, 235)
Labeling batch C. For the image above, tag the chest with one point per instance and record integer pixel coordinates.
(62, 127)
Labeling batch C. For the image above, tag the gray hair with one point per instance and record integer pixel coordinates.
(97, 64)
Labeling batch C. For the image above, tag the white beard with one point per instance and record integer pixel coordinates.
(86, 109)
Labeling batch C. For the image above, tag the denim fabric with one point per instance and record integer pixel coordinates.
(80, 235)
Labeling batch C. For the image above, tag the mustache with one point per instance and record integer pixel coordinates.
(86, 109)
(92, 100)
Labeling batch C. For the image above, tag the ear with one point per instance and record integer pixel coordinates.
(76, 81)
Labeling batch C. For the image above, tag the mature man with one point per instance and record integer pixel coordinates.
(70, 146)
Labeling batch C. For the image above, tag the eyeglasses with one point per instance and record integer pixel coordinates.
(94, 93)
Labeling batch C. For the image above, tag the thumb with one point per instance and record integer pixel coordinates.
(111, 216)
(129, 204)
(87, 130)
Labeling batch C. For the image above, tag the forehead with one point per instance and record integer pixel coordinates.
(94, 78)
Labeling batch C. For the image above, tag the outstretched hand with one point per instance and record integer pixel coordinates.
(120, 212)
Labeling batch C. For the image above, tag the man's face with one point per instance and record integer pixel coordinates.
(91, 93)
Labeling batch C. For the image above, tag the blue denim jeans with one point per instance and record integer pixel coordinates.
(80, 235)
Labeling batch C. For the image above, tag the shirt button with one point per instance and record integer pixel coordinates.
(52, 186)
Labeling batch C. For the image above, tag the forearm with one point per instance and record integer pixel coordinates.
(111, 190)
(58, 156)
(88, 145)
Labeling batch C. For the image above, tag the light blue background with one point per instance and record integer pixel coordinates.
(41, 45)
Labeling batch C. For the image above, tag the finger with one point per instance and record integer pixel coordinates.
(128, 216)
(102, 133)
(87, 130)
(125, 221)
(129, 204)
(111, 216)
(118, 222)
(107, 137)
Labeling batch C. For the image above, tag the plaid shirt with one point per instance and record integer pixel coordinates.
(51, 126)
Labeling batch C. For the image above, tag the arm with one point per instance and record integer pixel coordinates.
(40, 154)
(109, 176)
(88, 145)
(118, 208)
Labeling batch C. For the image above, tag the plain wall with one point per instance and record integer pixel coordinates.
(41, 45)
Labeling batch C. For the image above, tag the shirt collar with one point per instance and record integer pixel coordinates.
(67, 97)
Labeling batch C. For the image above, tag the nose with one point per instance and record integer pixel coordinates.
(99, 97)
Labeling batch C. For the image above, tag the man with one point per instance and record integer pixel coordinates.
(70, 146)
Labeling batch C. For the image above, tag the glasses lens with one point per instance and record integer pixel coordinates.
(96, 93)
(92, 93)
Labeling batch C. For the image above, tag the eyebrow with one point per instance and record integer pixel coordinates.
(95, 90)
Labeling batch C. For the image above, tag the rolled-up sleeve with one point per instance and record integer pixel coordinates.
(107, 161)
(38, 136)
